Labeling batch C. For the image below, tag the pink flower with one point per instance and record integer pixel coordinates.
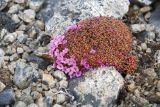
(75, 69)
(67, 70)
(87, 66)
(56, 53)
(78, 74)
(92, 51)
(83, 62)
(60, 66)
(73, 27)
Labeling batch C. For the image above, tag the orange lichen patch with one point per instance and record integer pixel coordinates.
(101, 41)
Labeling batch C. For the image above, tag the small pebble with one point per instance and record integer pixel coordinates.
(19, 1)
(48, 80)
(59, 75)
(57, 105)
(61, 98)
(2, 53)
(149, 50)
(143, 46)
(32, 105)
(150, 72)
(36, 4)
(10, 38)
(28, 15)
(20, 50)
(158, 86)
(137, 28)
(7, 97)
(2, 86)
(20, 104)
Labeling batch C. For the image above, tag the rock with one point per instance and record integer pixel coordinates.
(22, 38)
(45, 101)
(20, 50)
(48, 80)
(32, 32)
(137, 28)
(158, 86)
(155, 18)
(3, 33)
(15, 9)
(59, 75)
(23, 75)
(146, 2)
(2, 86)
(15, 18)
(28, 15)
(40, 24)
(149, 50)
(19, 1)
(36, 4)
(14, 57)
(20, 104)
(7, 97)
(6, 22)
(61, 98)
(10, 38)
(1, 58)
(27, 99)
(150, 72)
(32, 105)
(42, 64)
(150, 35)
(3, 4)
(56, 19)
(157, 56)
(57, 105)
(63, 84)
(98, 87)
(131, 87)
(144, 46)
(5, 77)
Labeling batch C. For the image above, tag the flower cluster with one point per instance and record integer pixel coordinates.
(67, 65)
(94, 42)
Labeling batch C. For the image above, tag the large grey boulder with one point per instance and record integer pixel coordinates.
(60, 13)
(97, 88)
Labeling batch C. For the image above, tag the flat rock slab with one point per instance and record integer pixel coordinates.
(97, 88)
(60, 13)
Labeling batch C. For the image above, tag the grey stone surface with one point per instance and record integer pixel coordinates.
(6, 22)
(23, 75)
(45, 101)
(3, 4)
(2, 86)
(155, 18)
(7, 97)
(32, 105)
(146, 2)
(2, 53)
(20, 104)
(99, 87)
(59, 14)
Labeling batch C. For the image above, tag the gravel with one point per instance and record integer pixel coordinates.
(27, 78)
